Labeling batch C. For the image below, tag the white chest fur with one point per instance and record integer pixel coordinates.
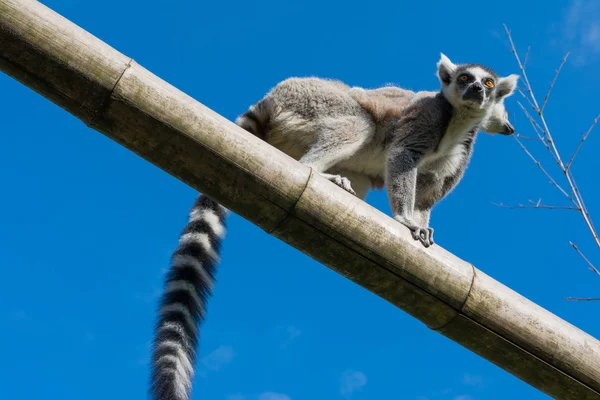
(451, 151)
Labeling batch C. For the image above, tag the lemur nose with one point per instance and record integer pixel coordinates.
(477, 86)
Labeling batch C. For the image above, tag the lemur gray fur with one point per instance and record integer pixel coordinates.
(416, 143)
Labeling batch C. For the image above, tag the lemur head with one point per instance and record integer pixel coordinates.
(496, 121)
(475, 87)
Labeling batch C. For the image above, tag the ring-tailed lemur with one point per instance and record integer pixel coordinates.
(418, 144)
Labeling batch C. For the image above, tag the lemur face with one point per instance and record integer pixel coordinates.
(475, 84)
(478, 87)
(497, 121)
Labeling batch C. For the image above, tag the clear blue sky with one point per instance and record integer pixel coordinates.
(88, 227)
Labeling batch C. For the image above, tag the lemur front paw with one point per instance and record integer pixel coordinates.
(424, 235)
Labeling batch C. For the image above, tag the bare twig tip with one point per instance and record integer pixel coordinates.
(582, 298)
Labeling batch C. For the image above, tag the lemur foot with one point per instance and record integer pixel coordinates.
(424, 235)
(342, 182)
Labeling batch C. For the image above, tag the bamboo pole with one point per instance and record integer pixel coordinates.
(111, 93)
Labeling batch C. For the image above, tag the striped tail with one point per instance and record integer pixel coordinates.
(182, 306)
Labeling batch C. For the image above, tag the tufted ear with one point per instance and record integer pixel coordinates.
(445, 69)
(506, 86)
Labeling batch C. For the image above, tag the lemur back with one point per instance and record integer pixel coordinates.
(356, 138)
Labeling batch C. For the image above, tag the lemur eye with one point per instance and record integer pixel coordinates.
(489, 83)
(463, 78)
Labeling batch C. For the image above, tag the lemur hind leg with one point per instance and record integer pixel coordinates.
(337, 139)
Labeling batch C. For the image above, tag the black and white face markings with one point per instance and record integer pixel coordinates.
(477, 91)
(475, 83)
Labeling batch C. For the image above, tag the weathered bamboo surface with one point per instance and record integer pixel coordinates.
(114, 95)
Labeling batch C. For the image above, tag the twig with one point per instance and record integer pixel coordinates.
(564, 60)
(537, 204)
(536, 127)
(526, 56)
(522, 68)
(527, 98)
(582, 298)
(592, 267)
(528, 138)
(545, 172)
(534, 102)
(583, 139)
(584, 210)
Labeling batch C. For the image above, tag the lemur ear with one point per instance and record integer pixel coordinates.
(445, 69)
(506, 86)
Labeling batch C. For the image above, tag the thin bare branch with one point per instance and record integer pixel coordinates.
(580, 203)
(582, 298)
(583, 139)
(545, 172)
(526, 56)
(522, 68)
(537, 129)
(592, 267)
(584, 211)
(534, 102)
(526, 98)
(539, 206)
(528, 138)
(564, 60)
